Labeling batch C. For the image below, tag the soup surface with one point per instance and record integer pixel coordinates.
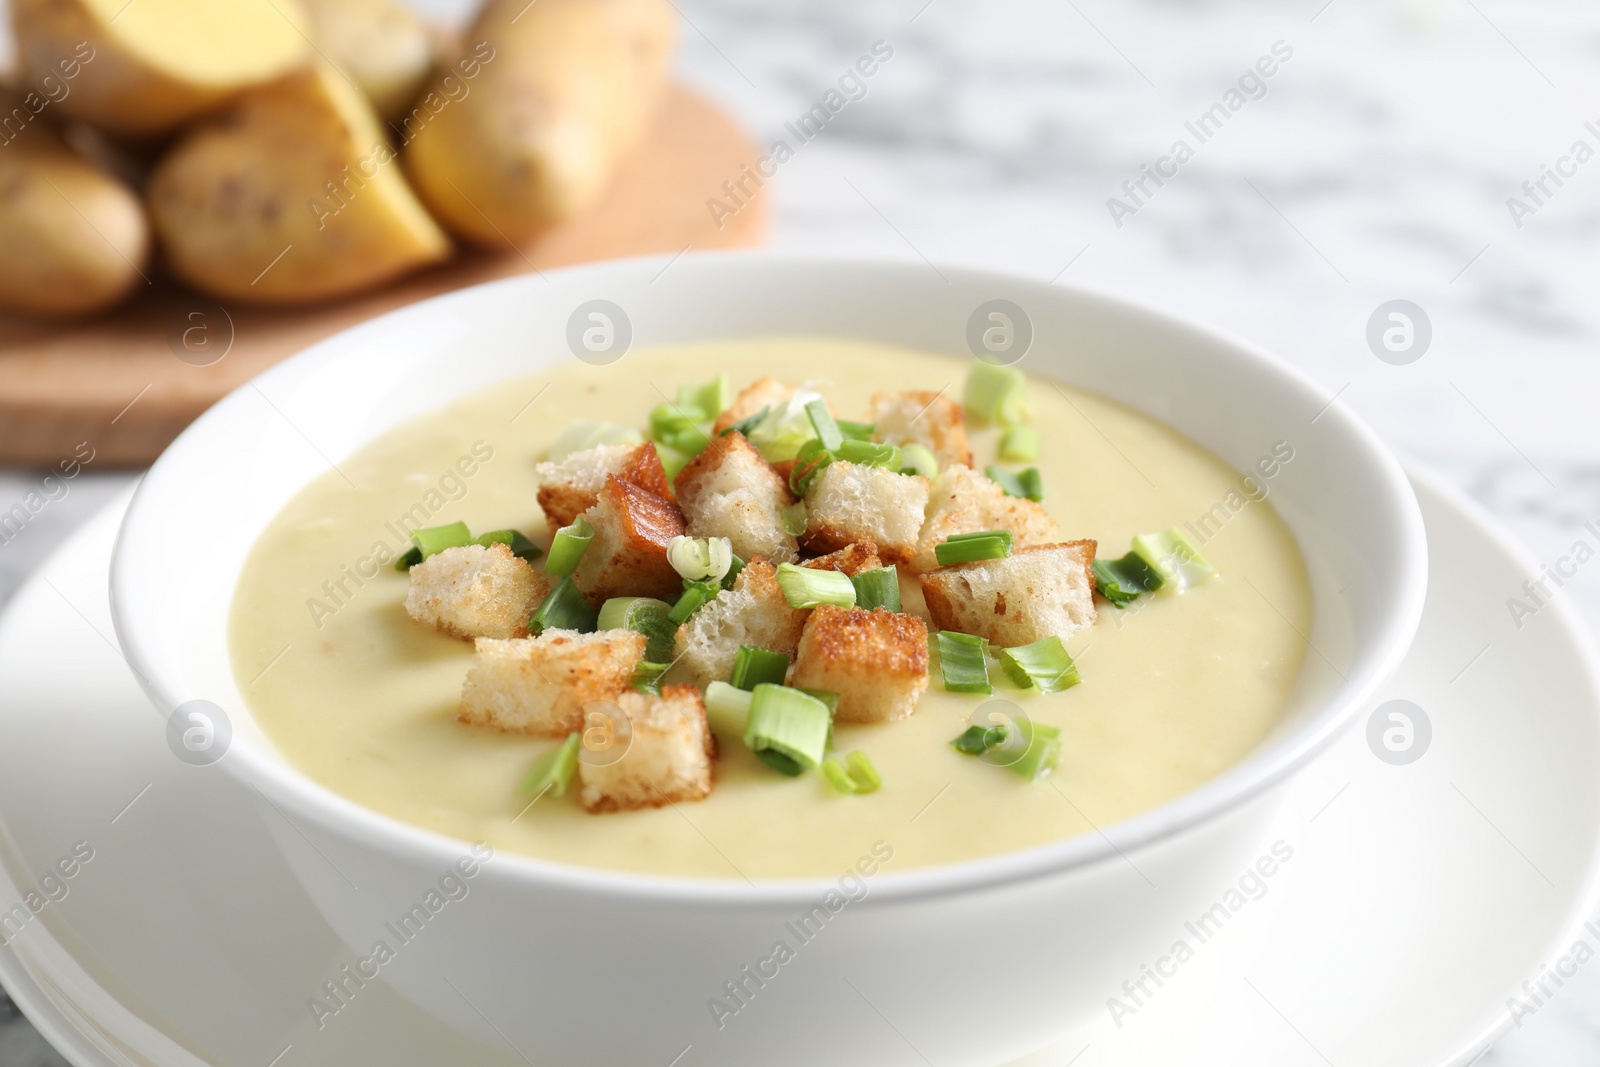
(1175, 689)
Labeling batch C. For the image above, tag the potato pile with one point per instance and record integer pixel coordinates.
(284, 152)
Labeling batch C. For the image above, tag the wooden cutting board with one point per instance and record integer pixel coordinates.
(118, 383)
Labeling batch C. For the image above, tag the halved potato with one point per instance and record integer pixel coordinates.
(382, 45)
(73, 239)
(295, 196)
(141, 68)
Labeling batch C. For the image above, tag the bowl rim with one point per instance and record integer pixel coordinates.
(288, 790)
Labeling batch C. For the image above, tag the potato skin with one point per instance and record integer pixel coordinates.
(562, 93)
(73, 240)
(293, 198)
(113, 88)
(382, 45)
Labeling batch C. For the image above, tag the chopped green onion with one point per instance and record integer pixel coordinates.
(863, 773)
(1044, 664)
(563, 609)
(827, 696)
(727, 708)
(810, 459)
(672, 461)
(878, 588)
(781, 762)
(1124, 580)
(678, 429)
(408, 559)
(1042, 753)
(870, 454)
(645, 615)
(700, 558)
(807, 587)
(745, 425)
(695, 596)
(647, 676)
(520, 546)
(712, 398)
(833, 770)
(435, 539)
(794, 519)
(792, 724)
(919, 459)
(976, 740)
(961, 662)
(1170, 555)
(552, 771)
(1026, 484)
(568, 547)
(857, 431)
(822, 421)
(754, 666)
(733, 572)
(996, 395)
(969, 547)
(586, 434)
(1019, 444)
(780, 435)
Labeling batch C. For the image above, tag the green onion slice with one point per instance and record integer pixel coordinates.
(435, 539)
(563, 609)
(863, 773)
(585, 434)
(833, 770)
(699, 558)
(408, 559)
(794, 519)
(1026, 484)
(647, 676)
(520, 546)
(678, 428)
(792, 724)
(919, 459)
(1044, 665)
(810, 459)
(878, 588)
(644, 615)
(807, 587)
(552, 771)
(1043, 751)
(1124, 580)
(1019, 444)
(828, 431)
(857, 431)
(781, 762)
(1170, 555)
(568, 547)
(712, 398)
(733, 572)
(695, 596)
(754, 666)
(745, 425)
(996, 395)
(672, 461)
(961, 662)
(969, 547)
(727, 708)
(787, 427)
(976, 740)
(870, 454)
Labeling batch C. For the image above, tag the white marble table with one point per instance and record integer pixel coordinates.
(1375, 164)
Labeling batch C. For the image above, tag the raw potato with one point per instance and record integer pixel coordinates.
(73, 239)
(295, 197)
(544, 101)
(383, 46)
(144, 68)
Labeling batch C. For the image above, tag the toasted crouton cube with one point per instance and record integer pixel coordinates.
(569, 488)
(668, 758)
(923, 417)
(965, 501)
(473, 591)
(539, 685)
(852, 559)
(1027, 596)
(729, 491)
(877, 661)
(753, 612)
(628, 556)
(850, 502)
(762, 393)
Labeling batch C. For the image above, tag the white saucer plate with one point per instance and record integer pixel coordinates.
(1415, 900)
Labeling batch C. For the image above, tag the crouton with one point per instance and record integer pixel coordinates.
(571, 487)
(761, 393)
(877, 661)
(668, 759)
(1027, 596)
(539, 685)
(923, 417)
(729, 491)
(852, 559)
(473, 591)
(753, 612)
(965, 501)
(849, 502)
(628, 556)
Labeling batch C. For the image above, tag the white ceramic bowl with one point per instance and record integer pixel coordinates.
(971, 963)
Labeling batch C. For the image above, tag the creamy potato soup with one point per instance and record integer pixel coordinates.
(1175, 688)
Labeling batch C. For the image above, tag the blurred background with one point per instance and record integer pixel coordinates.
(1378, 162)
